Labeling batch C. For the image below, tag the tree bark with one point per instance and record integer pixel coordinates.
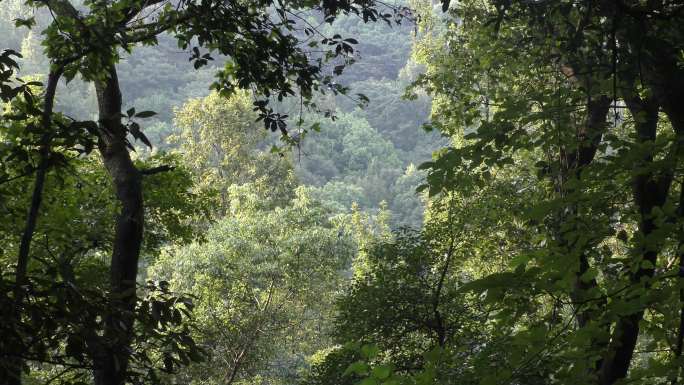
(650, 191)
(10, 371)
(589, 139)
(112, 360)
(655, 66)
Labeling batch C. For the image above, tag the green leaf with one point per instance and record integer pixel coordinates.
(359, 368)
(145, 114)
(381, 372)
(369, 351)
(28, 23)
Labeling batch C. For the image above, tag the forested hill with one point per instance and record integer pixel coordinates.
(368, 156)
(234, 192)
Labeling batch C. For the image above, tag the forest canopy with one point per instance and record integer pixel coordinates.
(359, 192)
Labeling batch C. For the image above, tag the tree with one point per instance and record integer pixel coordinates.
(264, 280)
(532, 85)
(263, 52)
(411, 300)
(220, 141)
(350, 162)
(64, 294)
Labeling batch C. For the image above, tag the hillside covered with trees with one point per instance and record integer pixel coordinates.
(213, 192)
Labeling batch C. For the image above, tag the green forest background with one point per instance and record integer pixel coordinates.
(272, 228)
(368, 156)
(497, 198)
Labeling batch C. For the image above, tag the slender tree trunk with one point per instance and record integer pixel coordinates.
(574, 163)
(676, 116)
(10, 371)
(650, 191)
(111, 362)
(111, 352)
(672, 105)
(680, 253)
(589, 140)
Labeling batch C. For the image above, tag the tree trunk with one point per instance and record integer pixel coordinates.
(10, 371)
(112, 359)
(589, 139)
(650, 191)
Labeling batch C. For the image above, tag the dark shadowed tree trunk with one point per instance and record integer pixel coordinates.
(111, 351)
(588, 139)
(112, 357)
(10, 371)
(651, 190)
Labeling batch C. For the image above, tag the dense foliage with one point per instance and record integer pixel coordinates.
(479, 192)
